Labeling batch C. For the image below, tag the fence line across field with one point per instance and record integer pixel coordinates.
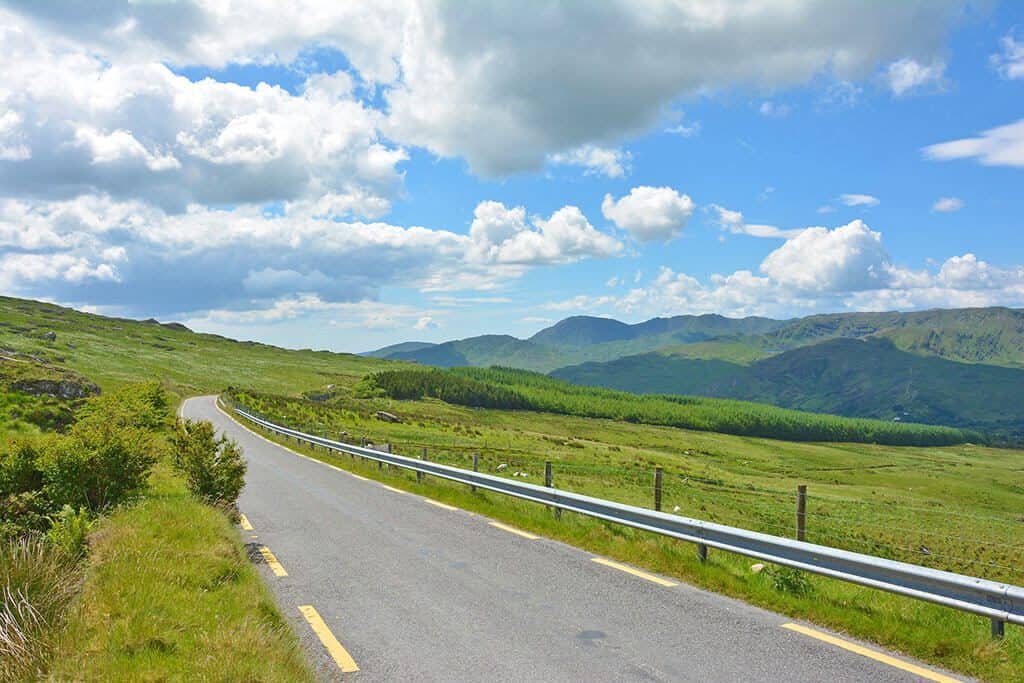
(1001, 602)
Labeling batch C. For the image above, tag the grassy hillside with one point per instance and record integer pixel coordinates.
(587, 330)
(114, 351)
(523, 390)
(870, 378)
(974, 335)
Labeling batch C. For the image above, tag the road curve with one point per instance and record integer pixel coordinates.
(416, 592)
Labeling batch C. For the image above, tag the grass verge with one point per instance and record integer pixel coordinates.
(948, 638)
(170, 594)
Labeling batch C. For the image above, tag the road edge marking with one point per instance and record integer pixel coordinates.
(513, 530)
(635, 572)
(337, 651)
(927, 674)
(272, 562)
(437, 503)
(244, 522)
(393, 489)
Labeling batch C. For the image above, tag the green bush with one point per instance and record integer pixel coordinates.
(213, 466)
(69, 530)
(99, 464)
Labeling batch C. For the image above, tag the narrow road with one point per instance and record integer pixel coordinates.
(417, 592)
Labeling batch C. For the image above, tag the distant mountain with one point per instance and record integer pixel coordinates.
(486, 350)
(974, 335)
(852, 377)
(404, 347)
(584, 330)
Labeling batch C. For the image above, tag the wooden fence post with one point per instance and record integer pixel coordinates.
(476, 468)
(657, 489)
(549, 481)
(801, 512)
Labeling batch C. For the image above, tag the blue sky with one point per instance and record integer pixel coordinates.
(351, 177)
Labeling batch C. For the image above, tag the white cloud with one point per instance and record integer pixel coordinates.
(425, 322)
(517, 89)
(76, 122)
(1002, 146)
(613, 281)
(732, 221)
(504, 236)
(1010, 63)
(908, 75)
(850, 257)
(649, 214)
(611, 163)
(948, 204)
(821, 269)
(858, 200)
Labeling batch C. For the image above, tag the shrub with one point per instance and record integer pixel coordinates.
(69, 530)
(99, 464)
(213, 466)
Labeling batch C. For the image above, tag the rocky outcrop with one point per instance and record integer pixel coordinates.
(63, 388)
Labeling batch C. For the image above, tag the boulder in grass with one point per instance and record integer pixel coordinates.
(757, 568)
(386, 416)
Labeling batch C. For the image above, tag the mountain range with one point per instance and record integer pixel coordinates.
(957, 367)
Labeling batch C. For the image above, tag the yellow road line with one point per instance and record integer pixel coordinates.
(872, 654)
(513, 530)
(392, 488)
(635, 572)
(357, 476)
(340, 655)
(439, 504)
(243, 521)
(272, 562)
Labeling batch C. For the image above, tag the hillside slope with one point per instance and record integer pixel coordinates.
(852, 377)
(115, 351)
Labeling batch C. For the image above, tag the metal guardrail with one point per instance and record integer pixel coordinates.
(1000, 602)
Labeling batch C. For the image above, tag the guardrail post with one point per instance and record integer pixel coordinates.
(419, 475)
(702, 552)
(549, 481)
(801, 511)
(998, 629)
(476, 468)
(657, 489)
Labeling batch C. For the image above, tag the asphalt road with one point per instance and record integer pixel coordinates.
(416, 592)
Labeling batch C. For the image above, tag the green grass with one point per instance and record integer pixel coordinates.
(945, 637)
(171, 595)
(113, 352)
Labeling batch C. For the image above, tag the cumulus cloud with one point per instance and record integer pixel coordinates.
(907, 75)
(843, 268)
(858, 200)
(948, 204)
(611, 163)
(77, 123)
(1010, 62)
(732, 221)
(518, 88)
(1001, 146)
(649, 214)
(138, 257)
(505, 236)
